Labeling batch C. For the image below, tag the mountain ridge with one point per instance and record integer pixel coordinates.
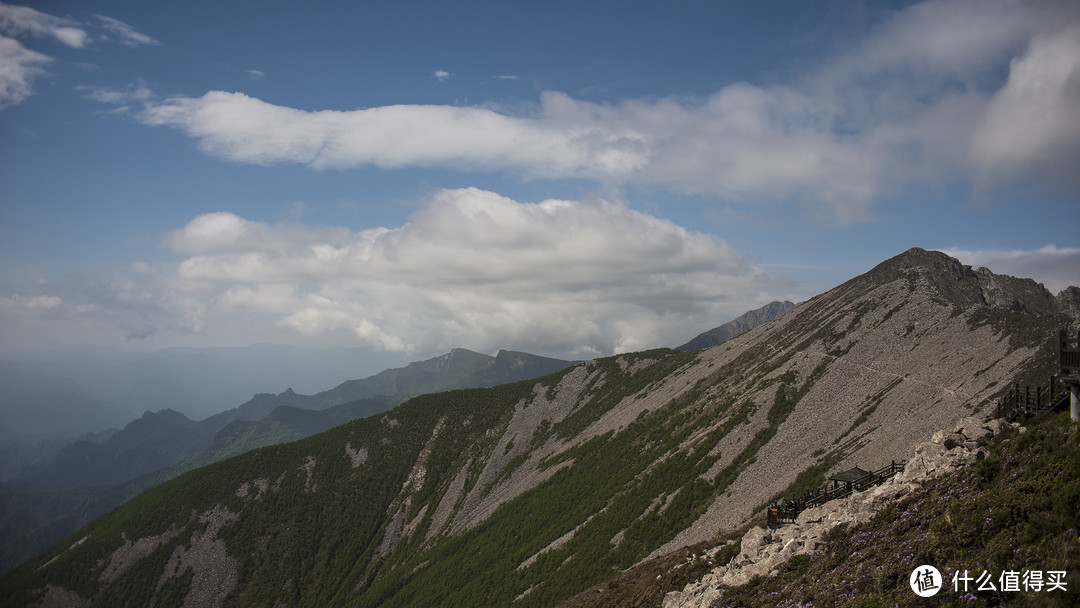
(527, 493)
(740, 325)
(176, 437)
(93, 475)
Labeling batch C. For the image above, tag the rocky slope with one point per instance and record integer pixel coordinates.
(762, 550)
(527, 493)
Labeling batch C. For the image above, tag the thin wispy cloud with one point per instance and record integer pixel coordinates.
(441, 75)
(110, 95)
(890, 112)
(126, 34)
(20, 67)
(506, 77)
(256, 74)
(22, 20)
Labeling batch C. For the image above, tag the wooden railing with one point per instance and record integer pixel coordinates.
(1068, 354)
(789, 509)
(1019, 403)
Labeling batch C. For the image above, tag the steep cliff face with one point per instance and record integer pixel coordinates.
(527, 493)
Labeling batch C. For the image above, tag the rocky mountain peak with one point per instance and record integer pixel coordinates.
(1069, 300)
(958, 284)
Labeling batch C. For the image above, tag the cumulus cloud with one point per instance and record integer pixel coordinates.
(1055, 267)
(468, 268)
(441, 75)
(477, 269)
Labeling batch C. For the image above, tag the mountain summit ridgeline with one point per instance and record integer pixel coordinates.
(525, 494)
(740, 325)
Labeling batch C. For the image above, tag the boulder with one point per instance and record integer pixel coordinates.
(930, 449)
(752, 542)
(974, 429)
(997, 426)
(948, 440)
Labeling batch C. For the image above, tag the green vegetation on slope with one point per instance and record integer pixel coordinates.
(314, 523)
(315, 539)
(1018, 510)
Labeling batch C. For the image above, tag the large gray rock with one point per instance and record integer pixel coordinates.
(974, 429)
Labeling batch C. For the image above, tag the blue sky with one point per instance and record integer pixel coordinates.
(565, 178)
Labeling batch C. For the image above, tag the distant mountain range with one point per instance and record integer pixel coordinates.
(460, 368)
(527, 493)
(738, 326)
(162, 444)
(114, 386)
(166, 437)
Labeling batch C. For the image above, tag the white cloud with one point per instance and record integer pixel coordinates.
(730, 145)
(256, 74)
(472, 268)
(917, 100)
(19, 20)
(139, 93)
(126, 34)
(19, 67)
(22, 20)
(1055, 267)
(29, 306)
(441, 75)
(506, 77)
(137, 308)
(939, 39)
(1033, 123)
(241, 128)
